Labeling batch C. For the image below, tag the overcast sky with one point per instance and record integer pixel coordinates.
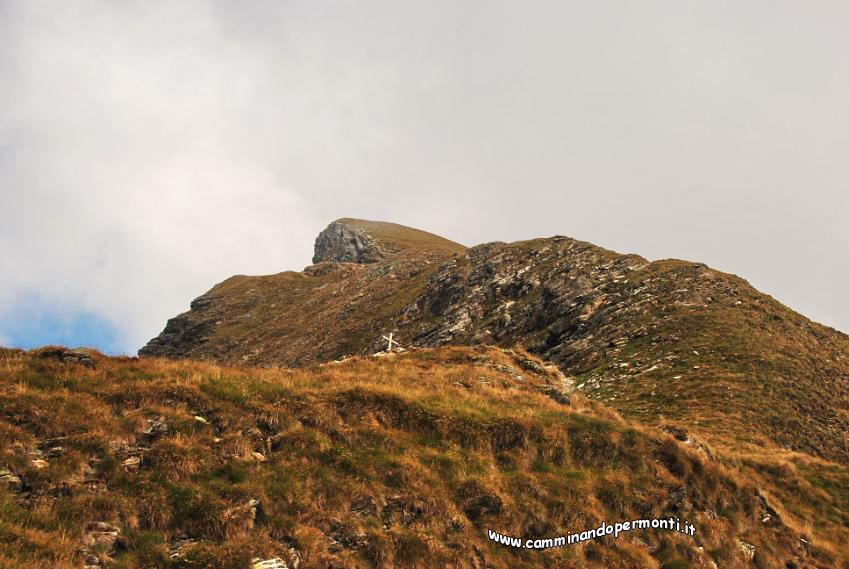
(148, 150)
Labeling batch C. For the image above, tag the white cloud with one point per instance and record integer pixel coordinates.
(127, 195)
(149, 150)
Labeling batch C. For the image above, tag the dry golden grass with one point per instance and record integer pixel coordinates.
(404, 238)
(395, 461)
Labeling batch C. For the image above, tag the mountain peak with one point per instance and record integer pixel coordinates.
(363, 241)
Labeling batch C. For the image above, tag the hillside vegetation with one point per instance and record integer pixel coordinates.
(399, 460)
(342, 305)
(662, 342)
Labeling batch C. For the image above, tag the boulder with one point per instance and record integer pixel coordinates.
(341, 241)
(11, 481)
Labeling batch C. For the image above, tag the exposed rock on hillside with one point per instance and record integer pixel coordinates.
(344, 242)
(362, 241)
(667, 340)
(659, 341)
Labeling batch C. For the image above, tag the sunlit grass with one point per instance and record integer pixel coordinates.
(388, 456)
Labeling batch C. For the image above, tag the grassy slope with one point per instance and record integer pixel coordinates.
(744, 367)
(406, 239)
(295, 319)
(400, 461)
(329, 310)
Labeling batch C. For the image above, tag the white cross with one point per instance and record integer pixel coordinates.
(391, 341)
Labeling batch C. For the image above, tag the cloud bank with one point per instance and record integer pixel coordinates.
(150, 150)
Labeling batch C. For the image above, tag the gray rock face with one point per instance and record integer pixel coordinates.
(180, 332)
(343, 242)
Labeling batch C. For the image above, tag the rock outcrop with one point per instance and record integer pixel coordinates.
(342, 241)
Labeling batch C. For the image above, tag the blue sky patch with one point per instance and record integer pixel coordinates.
(32, 323)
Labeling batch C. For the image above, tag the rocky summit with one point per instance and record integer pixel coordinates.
(366, 273)
(345, 242)
(658, 341)
(361, 241)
